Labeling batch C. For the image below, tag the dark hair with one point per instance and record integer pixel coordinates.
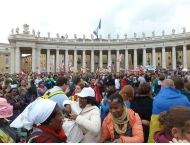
(76, 80)
(177, 116)
(116, 96)
(13, 89)
(161, 77)
(52, 115)
(14, 82)
(41, 83)
(92, 101)
(61, 80)
(81, 85)
(178, 82)
(111, 90)
(187, 86)
(144, 89)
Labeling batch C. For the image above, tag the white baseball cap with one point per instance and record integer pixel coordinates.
(86, 92)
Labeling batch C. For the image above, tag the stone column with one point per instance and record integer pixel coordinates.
(185, 56)
(153, 57)
(57, 61)
(33, 59)
(66, 61)
(163, 58)
(38, 60)
(135, 59)
(117, 62)
(144, 56)
(12, 60)
(126, 59)
(17, 60)
(92, 61)
(109, 58)
(48, 61)
(84, 60)
(100, 58)
(75, 60)
(173, 58)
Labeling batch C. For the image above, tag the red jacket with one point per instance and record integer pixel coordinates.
(123, 83)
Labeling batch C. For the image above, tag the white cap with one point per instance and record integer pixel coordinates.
(86, 92)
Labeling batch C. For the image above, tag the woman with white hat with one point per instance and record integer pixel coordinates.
(86, 114)
(7, 134)
(45, 118)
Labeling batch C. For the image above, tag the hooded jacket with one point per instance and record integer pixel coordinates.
(161, 137)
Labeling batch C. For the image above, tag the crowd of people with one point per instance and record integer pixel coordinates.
(145, 107)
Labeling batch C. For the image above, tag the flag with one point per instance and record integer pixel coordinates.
(63, 65)
(69, 63)
(120, 58)
(141, 68)
(96, 31)
(110, 63)
(98, 69)
(23, 72)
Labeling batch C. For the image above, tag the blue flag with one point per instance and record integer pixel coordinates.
(96, 31)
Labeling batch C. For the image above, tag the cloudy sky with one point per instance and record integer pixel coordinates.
(82, 17)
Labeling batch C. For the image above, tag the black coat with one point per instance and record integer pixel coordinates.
(143, 106)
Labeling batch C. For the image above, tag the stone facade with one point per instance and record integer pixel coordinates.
(159, 51)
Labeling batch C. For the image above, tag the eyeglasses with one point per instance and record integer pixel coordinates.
(114, 100)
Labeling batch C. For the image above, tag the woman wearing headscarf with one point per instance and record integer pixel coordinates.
(45, 118)
(8, 134)
(122, 125)
(86, 114)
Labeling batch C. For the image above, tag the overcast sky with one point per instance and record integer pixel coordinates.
(82, 17)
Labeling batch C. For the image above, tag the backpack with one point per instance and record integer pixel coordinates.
(48, 94)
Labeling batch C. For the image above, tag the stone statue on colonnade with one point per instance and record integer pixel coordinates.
(83, 36)
(109, 36)
(57, 35)
(12, 31)
(48, 34)
(33, 32)
(125, 36)
(163, 32)
(184, 29)
(66, 36)
(38, 34)
(100, 36)
(135, 35)
(92, 36)
(117, 36)
(153, 33)
(17, 30)
(75, 36)
(143, 34)
(173, 31)
(26, 28)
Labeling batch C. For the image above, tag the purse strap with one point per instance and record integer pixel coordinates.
(38, 133)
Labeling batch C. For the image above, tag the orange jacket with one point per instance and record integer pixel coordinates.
(136, 125)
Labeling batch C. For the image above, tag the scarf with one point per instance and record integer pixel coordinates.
(61, 134)
(123, 119)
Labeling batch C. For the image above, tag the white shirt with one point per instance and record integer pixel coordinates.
(117, 84)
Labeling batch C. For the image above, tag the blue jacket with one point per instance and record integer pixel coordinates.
(167, 98)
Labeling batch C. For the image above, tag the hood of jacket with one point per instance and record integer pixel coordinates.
(161, 137)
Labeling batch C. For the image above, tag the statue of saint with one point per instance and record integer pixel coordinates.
(33, 32)
(125, 36)
(184, 29)
(143, 34)
(173, 31)
(83, 36)
(12, 31)
(66, 36)
(153, 33)
(100, 36)
(92, 36)
(38, 34)
(135, 35)
(48, 34)
(75, 36)
(163, 32)
(109, 36)
(117, 36)
(17, 30)
(57, 35)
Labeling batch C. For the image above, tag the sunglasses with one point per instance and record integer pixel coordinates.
(114, 100)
